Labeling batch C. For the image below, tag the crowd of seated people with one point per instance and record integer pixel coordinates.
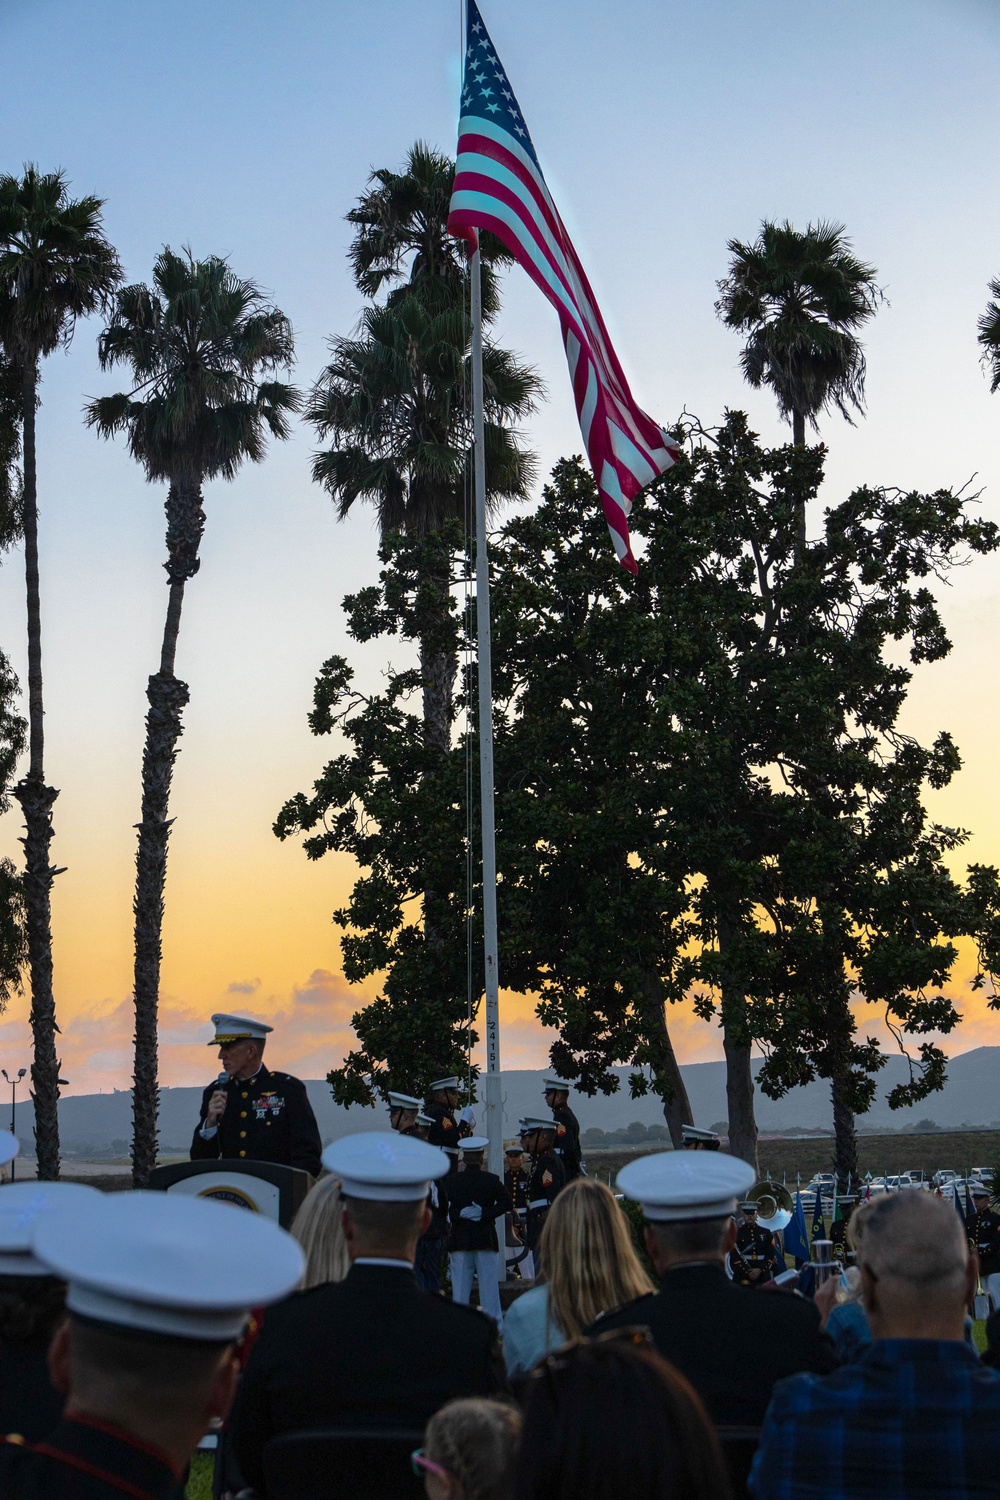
(625, 1371)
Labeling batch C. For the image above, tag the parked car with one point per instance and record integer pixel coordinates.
(944, 1176)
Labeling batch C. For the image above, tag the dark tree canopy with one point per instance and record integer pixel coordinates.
(399, 808)
(701, 770)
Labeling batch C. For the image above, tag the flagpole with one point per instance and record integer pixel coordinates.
(491, 1082)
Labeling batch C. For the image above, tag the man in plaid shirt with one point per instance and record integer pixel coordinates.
(917, 1414)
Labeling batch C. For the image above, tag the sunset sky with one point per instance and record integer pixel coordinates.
(248, 129)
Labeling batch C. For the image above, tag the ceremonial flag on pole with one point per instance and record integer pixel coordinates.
(795, 1235)
(499, 187)
(818, 1226)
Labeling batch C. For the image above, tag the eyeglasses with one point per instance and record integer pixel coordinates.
(421, 1465)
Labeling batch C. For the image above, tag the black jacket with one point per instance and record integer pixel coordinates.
(268, 1118)
(730, 1342)
(446, 1130)
(372, 1350)
(474, 1186)
(27, 1475)
(548, 1177)
(755, 1251)
(29, 1404)
(568, 1140)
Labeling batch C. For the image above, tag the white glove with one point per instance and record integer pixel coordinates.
(468, 1117)
(473, 1212)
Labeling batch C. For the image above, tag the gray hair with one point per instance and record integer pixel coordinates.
(915, 1240)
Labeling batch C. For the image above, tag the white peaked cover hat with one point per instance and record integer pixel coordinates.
(166, 1263)
(22, 1206)
(673, 1186)
(385, 1167)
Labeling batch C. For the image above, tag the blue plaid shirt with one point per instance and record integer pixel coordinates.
(910, 1417)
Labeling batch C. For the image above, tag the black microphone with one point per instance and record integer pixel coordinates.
(222, 1080)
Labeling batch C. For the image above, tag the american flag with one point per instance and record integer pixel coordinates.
(499, 186)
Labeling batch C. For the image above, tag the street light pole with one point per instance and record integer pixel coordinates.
(13, 1104)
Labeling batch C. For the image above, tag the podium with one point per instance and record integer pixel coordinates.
(262, 1187)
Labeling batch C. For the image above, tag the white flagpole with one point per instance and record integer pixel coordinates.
(491, 1082)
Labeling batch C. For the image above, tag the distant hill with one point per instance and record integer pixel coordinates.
(100, 1124)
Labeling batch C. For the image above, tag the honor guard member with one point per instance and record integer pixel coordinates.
(403, 1112)
(446, 1131)
(373, 1350)
(159, 1288)
(250, 1113)
(568, 1135)
(693, 1139)
(838, 1231)
(476, 1199)
(35, 1306)
(548, 1175)
(731, 1344)
(985, 1240)
(515, 1180)
(430, 1246)
(754, 1258)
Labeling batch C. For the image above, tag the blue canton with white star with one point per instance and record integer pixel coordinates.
(486, 89)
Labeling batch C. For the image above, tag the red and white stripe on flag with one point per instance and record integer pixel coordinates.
(499, 186)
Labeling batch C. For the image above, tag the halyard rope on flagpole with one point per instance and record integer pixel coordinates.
(491, 1082)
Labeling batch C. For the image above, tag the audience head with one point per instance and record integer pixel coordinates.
(240, 1041)
(317, 1227)
(403, 1111)
(608, 1415)
(688, 1206)
(538, 1135)
(472, 1151)
(916, 1272)
(587, 1258)
(32, 1302)
(470, 1451)
(446, 1090)
(149, 1345)
(385, 1180)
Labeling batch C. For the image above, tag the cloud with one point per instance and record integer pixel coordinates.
(243, 987)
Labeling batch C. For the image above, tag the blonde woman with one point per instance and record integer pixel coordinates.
(589, 1267)
(318, 1230)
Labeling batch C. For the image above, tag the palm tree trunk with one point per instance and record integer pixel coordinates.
(739, 1075)
(36, 801)
(799, 439)
(438, 671)
(167, 698)
(676, 1104)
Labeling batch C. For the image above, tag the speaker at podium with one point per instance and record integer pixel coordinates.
(261, 1187)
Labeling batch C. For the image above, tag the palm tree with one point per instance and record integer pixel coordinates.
(801, 299)
(197, 344)
(55, 266)
(989, 335)
(396, 399)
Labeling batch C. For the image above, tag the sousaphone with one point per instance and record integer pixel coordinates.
(774, 1205)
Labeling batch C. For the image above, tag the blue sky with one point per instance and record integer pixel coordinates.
(248, 129)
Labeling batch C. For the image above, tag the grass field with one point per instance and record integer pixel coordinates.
(199, 1485)
(877, 1154)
